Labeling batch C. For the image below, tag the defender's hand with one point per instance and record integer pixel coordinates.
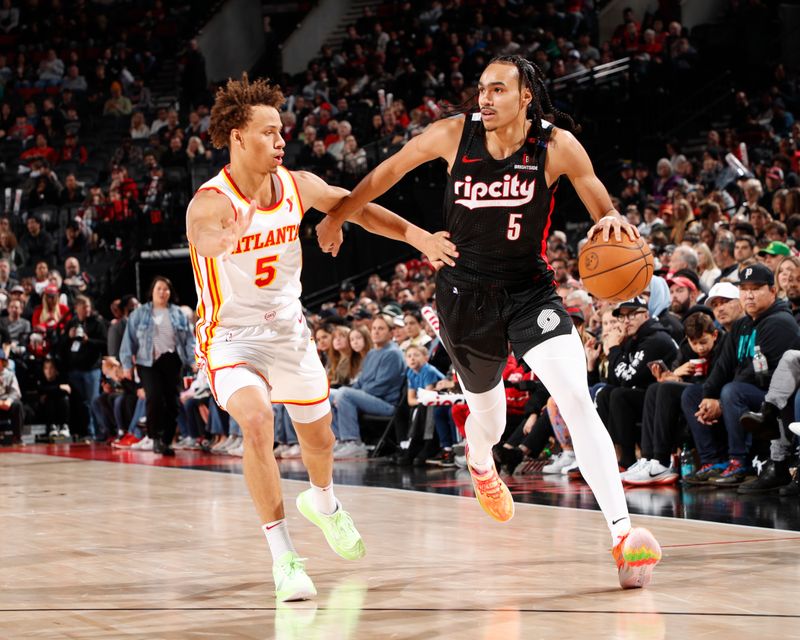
(438, 249)
(329, 236)
(234, 228)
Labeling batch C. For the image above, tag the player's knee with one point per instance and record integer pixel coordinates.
(320, 440)
(257, 428)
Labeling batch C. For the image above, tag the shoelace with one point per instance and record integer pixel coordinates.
(292, 565)
(490, 487)
(344, 525)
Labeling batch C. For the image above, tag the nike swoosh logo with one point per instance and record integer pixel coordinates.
(613, 522)
(655, 475)
(467, 160)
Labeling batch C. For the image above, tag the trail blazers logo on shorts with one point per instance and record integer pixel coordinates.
(548, 320)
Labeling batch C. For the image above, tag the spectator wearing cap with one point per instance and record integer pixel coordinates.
(723, 299)
(733, 386)
(377, 390)
(81, 354)
(10, 398)
(51, 314)
(773, 253)
(37, 244)
(683, 294)
(620, 403)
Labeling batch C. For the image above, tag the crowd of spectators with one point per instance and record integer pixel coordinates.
(722, 220)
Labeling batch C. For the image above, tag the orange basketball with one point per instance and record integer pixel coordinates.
(615, 271)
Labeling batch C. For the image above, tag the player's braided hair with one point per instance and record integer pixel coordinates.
(541, 106)
(233, 104)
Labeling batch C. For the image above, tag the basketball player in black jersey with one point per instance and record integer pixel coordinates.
(504, 163)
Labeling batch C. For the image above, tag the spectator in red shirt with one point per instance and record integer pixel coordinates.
(51, 314)
(120, 181)
(40, 150)
(72, 151)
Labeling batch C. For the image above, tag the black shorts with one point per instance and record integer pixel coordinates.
(477, 325)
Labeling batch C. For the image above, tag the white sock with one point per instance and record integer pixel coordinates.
(278, 539)
(323, 500)
(485, 425)
(556, 363)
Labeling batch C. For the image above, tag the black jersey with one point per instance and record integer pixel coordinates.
(498, 211)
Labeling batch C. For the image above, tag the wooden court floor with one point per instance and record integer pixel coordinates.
(92, 549)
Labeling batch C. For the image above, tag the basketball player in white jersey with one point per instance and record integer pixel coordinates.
(252, 338)
(504, 162)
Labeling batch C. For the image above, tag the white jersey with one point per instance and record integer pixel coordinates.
(262, 275)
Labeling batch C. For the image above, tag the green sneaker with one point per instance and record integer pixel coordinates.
(291, 580)
(339, 530)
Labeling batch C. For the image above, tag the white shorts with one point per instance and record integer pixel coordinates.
(279, 355)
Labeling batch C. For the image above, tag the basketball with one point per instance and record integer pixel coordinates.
(615, 270)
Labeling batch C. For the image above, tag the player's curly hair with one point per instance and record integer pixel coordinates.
(233, 106)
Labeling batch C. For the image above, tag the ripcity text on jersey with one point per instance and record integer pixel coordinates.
(498, 211)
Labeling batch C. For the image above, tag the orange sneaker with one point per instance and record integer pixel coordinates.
(636, 556)
(492, 493)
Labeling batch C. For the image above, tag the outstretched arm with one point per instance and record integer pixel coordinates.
(213, 227)
(440, 140)
(316, 193)
(568, 157)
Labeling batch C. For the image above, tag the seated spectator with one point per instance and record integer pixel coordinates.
(22, 129)
(773, 253)
(419, 375)
(118, 104)
(661, 424)
(733, 386)
(127, 154)
(683, 295)
(72, 151)
(723, 299)
(54, 396)
(338, 365)
(321, 162)
(196, 151)
(41, 150)
(74, 81)
(620, 403)
(360, 345)
(37, 244)
(51, 315)
(73, 192)
(175, 156)
(414, 331)
(6, 281)
(44, 192)
(377, 390)
(18, 328)
(73, 242)
(139, 129)
(10, 399)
